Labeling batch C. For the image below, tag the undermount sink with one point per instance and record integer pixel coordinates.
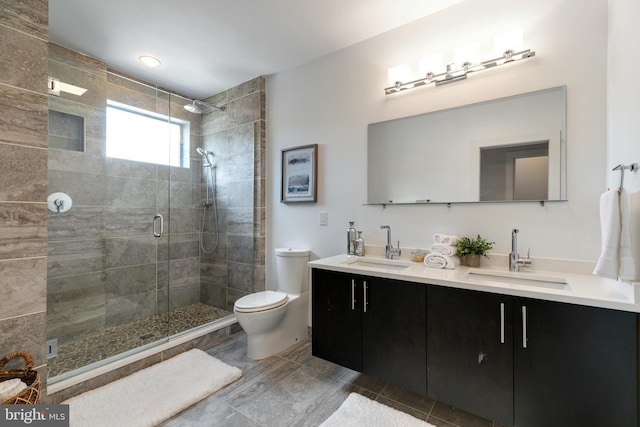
(498, 277)
(393, 264)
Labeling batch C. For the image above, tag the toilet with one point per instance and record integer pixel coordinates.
(275, 320)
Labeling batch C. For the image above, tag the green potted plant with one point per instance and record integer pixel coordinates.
(470, 250)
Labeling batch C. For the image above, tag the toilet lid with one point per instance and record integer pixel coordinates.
(260, 301)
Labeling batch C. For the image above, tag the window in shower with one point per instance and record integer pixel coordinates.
(145, 136)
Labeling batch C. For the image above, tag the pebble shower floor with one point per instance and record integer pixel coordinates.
(122, 338)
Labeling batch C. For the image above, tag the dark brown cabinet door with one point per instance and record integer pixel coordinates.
(470, 351)
(574, 365)
(371, 325)
(394, 345)
(337, 318)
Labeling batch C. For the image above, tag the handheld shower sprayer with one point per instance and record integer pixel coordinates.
(208, 171)
(206, 160)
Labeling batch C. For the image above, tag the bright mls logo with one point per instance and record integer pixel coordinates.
(35, 415)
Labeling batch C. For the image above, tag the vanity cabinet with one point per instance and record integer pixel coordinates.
(574, 365)
(470, 351)
(372, 325)
(336, 318)
(529, 362)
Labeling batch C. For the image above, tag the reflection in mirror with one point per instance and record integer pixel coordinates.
(515, 172)
(508, 149)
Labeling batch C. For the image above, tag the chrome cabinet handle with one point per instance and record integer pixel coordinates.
(157, 217)
(502, 323)
(524, 326)
(353, 294)
(364, 285)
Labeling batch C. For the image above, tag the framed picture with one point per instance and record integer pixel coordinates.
(299, 174)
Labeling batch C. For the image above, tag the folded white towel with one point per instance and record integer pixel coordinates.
(435, 260)
(445, 239)
(627, 263)
(443, 249)
(10, 388)
(451, 240)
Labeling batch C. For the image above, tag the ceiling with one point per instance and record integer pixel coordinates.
(207, 46)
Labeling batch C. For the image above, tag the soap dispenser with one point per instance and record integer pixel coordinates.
(351, 239)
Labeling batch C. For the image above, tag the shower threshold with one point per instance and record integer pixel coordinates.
(119, 341)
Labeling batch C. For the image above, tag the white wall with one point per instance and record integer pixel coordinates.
(623, 90)
(623, 104)
(330, 102)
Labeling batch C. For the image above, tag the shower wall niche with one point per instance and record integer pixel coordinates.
(109, 279)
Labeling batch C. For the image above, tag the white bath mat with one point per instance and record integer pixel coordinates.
(154, 394)
(359, 411)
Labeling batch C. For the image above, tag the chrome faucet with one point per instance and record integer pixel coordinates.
(389, 250)
(515, 262)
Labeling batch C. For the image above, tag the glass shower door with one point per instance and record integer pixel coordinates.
(109, 218)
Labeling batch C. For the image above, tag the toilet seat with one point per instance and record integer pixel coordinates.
(260, 301)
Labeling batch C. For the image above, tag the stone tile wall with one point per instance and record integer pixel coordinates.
(237, 138)
(23, 176)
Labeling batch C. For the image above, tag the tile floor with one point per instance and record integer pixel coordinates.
(295, 388)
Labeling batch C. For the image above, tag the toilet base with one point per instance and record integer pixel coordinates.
(292, 330)
(266, 345)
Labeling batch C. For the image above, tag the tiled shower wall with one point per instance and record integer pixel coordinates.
(105, 268)
(237, 139)
(23, 176)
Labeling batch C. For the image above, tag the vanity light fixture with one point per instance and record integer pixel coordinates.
(455, 72)
(149, 61)
(399, 73)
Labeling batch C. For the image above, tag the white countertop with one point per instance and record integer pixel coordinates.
(584, 289)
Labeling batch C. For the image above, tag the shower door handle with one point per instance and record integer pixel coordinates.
(157, 233)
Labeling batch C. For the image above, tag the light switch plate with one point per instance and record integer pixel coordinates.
(324, 218)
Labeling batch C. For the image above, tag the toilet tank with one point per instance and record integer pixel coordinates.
(291, 270)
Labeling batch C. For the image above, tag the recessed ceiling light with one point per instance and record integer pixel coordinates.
(150, 61)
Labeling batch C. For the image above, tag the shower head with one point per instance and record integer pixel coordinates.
(196, 106)
(193, 108)
(206, 161)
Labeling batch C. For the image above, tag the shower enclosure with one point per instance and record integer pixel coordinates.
(152, 227)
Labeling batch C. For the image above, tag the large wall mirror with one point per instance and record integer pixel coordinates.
(508, 149)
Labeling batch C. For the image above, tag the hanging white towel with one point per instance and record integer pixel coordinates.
(443, 249)
(435, 260)
(627, 263)
(616, 260)
(608, 264)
